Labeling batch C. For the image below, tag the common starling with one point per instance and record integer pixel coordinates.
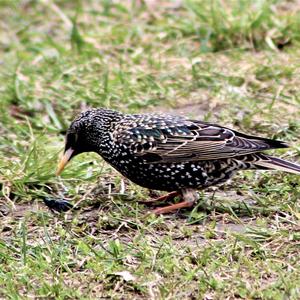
(170, 153)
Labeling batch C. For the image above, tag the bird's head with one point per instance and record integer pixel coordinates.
(86, 134)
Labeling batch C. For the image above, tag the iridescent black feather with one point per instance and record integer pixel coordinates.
(58, 205)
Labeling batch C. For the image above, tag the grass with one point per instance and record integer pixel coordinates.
(234, 62)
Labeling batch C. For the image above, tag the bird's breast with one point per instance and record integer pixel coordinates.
(159, 176)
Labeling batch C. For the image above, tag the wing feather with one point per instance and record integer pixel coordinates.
(164, 138)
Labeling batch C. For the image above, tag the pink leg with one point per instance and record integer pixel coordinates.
(166, 197)
(190, 196)
(170, 208)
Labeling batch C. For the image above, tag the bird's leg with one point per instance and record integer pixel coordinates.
(190, 197)
(166, 197)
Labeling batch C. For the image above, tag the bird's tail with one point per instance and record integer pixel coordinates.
(275, 163)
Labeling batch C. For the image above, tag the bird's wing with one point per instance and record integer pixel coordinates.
(163, 138)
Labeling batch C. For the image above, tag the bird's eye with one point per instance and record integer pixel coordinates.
(71, 139)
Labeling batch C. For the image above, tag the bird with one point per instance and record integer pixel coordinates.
(170, 153)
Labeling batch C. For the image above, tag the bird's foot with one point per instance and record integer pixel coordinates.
(190, 197)
(166, 197)
(171, 208)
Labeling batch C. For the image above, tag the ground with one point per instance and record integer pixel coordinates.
(231, 62)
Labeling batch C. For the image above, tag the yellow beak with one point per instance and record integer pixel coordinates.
(64, 160)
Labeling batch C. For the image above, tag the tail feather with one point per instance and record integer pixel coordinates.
(275, 163)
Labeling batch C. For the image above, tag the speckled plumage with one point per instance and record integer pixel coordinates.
(170, 153)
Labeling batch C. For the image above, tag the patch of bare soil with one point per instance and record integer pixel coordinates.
(95, 221)
(19, 210)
